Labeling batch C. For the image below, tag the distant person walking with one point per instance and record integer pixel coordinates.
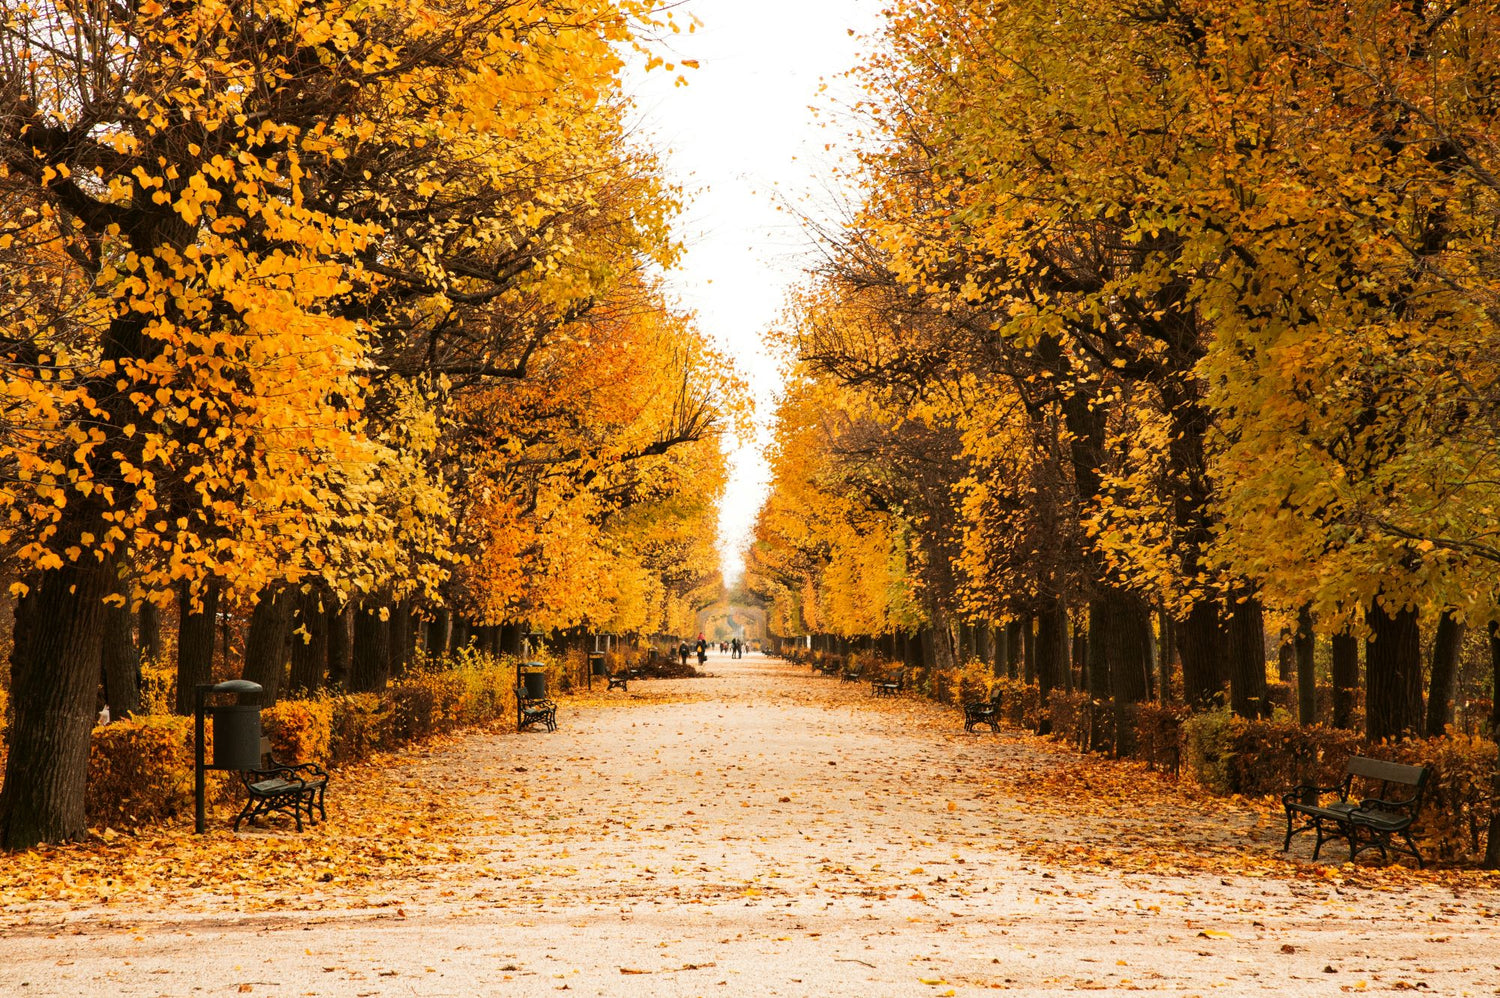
(682, 652)
(734, 648)
(702, 650)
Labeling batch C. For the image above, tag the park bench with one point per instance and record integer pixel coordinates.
(979, 712)
(1373, 822)
(614, 680)
(290, 788)
(888, 686)
(850, 674)
(533, 705)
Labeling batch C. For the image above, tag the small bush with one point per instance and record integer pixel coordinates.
(300, 730)
(359, 724)
(1158, 734)
(141, 771)
(972, 682)
(1074, 716)
(1020, 702)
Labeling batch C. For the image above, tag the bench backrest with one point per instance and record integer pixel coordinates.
(1386, 772)
(1387, 775)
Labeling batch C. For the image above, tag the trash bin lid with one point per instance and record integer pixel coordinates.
(236, 686)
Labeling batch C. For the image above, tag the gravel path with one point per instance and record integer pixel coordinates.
(767, 832)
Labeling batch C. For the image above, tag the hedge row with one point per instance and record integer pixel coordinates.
(141, 770)
(1232, 755)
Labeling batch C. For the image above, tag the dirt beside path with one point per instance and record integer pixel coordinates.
(758, 832)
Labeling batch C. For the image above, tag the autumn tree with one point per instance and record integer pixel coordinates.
(237, 225)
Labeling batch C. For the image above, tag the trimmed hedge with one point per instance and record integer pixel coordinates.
(141, 770)
(1233, 755)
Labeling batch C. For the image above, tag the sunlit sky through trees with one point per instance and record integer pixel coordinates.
(744, 141)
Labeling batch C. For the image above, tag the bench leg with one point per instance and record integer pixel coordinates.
(1412, 845)
(1318, 846)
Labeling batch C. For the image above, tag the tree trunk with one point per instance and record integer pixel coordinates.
(458, 635)
(1393, 674)
(120, 664)
(340, 646)
(266, 642)
(1050, 655)
(1000, 652)
(401, 637)
(985, 644)
(1345, 677)
(1014, 648)
(1028, 639)
(1245, 632)
(370, 661)
(1286, 655)
(310, 647)
(1303, 648)
(1097, 664)
(1492, 841)
(1151, 649)
(1445, 646)
(1203, 673)
(1168, 655)
(195, 643)
(1081, 630)
(150, 632)
(1129, 653)
(59, 626)
(437, 635)
(1124, 660)
(510, 640)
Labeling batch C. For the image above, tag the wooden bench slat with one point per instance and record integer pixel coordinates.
(1390, 772)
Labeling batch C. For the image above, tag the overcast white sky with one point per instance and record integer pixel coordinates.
(740, 136)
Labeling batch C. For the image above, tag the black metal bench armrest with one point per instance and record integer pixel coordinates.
(288, 773)
(310, 768)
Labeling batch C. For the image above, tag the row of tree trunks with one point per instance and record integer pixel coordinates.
(512, 638)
